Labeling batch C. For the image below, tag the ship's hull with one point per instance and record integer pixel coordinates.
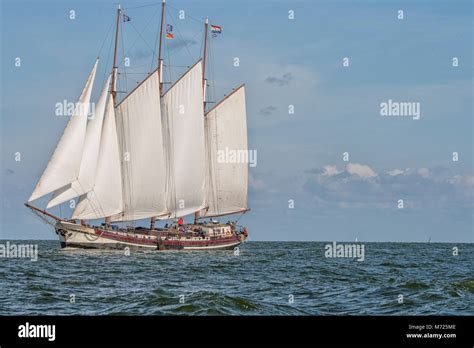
(73, 235)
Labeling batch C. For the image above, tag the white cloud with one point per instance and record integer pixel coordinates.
(330, 170)
(395, 172)
(420, 187)
(462, 180)
(361, 170)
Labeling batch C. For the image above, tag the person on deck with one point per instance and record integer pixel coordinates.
(180, 222)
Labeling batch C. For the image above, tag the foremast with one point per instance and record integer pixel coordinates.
(160, 77)
(113, 88)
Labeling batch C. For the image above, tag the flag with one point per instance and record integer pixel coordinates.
(169, 29)
(216, 29)
(126, 18)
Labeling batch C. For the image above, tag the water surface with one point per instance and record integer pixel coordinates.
(262, 280)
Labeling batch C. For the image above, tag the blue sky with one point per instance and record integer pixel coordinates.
(282, 62)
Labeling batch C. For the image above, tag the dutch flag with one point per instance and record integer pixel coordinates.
(215, 29)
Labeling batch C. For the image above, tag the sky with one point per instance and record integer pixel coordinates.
(303, 187)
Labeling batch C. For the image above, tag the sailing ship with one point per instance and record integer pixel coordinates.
(151, 155)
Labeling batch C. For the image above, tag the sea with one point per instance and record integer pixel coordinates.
(260, 278)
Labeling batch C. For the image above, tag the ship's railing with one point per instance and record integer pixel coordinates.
(182, 232)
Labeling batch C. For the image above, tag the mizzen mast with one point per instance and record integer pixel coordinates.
(204, 85)
(160, 61)
(206, 25)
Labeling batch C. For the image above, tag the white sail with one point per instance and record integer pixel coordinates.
(226, 148)
(105, 198)
(90, 154)
(184, 141)
(142, 156)
(63, 167)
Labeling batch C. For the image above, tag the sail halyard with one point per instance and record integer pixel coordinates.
(64, 164)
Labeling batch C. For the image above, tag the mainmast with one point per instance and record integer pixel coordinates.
(160, 76)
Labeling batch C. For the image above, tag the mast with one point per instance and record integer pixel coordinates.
(113, 91)
(206, 24)
(160, 76)
(160, 61)
(114, 68)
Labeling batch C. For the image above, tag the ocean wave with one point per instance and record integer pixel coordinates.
(278, 278)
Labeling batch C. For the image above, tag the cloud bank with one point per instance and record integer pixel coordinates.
(358, 185)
